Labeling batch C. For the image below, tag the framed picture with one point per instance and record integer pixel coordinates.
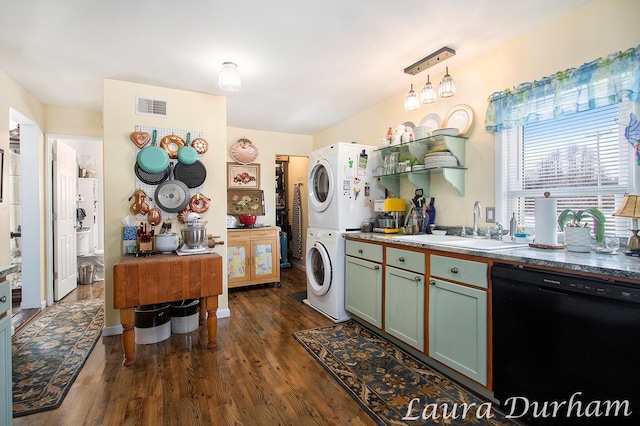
(243, 176)
(245, 201)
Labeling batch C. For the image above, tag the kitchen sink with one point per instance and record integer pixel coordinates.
(462, 242)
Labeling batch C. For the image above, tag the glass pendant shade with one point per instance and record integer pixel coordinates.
(229, 78)
(447, 86)
(411, 101)
(428, 94)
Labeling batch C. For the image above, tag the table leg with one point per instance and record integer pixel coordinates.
(212, 320)
(128, 336)
(203, 310)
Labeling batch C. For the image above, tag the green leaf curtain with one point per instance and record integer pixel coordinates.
(604, 81)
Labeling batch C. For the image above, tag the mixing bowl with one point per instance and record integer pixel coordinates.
(194, 236)
(166, 243)
(248, 219)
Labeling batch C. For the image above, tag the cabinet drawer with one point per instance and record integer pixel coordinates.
(405, 259)
(263, 233)
(237, 236)
(5, 294)
(460, 270)
(367, 251)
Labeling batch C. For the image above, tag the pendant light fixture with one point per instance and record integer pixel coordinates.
(428, 94)
(229, 78)
(411, 101)
(447, 86)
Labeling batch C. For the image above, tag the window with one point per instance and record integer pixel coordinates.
(582, 159)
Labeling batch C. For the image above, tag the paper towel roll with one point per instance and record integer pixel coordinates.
(546, 225)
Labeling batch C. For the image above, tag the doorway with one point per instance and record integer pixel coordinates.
(25, 186)
(291, 178)
(89, 155)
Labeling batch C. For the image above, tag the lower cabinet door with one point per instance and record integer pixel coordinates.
(458, 328)
(404, 306)
(363, 290)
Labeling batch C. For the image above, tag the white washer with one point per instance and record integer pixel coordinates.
(325, 272)
(341, 185)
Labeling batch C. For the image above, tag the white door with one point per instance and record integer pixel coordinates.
(65, 172)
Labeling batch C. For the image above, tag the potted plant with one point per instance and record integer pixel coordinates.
(577, 234)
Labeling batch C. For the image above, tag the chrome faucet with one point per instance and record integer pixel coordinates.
(477, 212)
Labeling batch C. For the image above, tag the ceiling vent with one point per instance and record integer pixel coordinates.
(149, 106)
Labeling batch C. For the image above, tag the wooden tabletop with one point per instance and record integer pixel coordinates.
(165, 278)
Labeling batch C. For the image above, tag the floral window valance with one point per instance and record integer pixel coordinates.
(604, 81)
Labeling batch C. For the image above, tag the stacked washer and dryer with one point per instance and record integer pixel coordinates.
(342, 190)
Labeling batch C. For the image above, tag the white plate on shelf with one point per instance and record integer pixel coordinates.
(447, 131)
(459, 117)
(432, 121)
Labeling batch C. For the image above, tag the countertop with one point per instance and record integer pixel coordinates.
(613, 266)
(254, 228)
(7, 269)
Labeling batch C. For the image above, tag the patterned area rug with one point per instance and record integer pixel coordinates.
(392, 386)
(48, 354)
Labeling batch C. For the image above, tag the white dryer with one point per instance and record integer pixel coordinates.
(325, 265)
(341, 185)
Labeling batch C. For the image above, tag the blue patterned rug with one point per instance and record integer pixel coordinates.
(48, 354)
(392, 386)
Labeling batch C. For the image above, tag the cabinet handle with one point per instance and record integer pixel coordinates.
(401, 259)
(417, 278)
(360, 251)
(3, 299)
(432, 282)
(454, 270)
(376, 268)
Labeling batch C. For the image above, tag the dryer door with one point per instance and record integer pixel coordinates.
(322, 185)
(319, 269)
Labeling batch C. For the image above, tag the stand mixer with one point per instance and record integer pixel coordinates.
(194, 234)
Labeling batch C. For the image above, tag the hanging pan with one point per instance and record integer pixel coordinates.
(193, 175)
(151, 178)
(152, 158)
(187, 154)
(172, 195)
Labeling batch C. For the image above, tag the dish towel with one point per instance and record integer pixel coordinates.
(296, 226)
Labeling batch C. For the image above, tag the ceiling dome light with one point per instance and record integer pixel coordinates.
(229, 78)
(428, 94)
(411, 102)
(447, 86)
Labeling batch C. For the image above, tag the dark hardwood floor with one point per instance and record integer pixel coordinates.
(258, 375)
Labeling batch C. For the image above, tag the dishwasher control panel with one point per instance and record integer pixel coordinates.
(569, 283)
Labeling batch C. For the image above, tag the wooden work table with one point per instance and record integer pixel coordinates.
(166, 278)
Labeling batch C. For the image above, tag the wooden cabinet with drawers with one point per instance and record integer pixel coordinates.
(253, 256)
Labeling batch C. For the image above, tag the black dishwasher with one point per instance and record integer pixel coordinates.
(566, 349)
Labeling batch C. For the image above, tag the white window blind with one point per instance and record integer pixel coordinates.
(583, 160)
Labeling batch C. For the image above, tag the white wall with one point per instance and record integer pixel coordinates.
(598, 29)
(187, 110)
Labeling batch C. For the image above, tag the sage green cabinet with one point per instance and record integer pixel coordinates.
(363, 282)
(458, 327)
(6, 399)
(404, 306)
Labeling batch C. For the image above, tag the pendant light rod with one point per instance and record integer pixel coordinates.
(431, 60)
